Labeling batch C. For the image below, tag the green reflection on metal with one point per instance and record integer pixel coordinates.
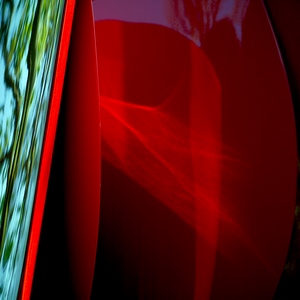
(29, 34)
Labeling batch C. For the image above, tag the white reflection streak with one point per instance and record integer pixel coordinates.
(161, 12)
(235, 12)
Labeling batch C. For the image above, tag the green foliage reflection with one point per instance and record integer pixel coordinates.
(29, 31)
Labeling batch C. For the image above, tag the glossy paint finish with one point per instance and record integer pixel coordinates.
(199, 157)
(284, 17)
(82, 151)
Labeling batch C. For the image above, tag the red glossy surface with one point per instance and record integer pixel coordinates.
(82, 150)
(284, 17)
(47, 151)
(285, 20)
(199, 151)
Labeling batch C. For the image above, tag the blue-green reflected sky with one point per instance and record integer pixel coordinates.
(29, 34)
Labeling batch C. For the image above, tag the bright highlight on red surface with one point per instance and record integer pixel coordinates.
(165, 153)
(171, 146)
(196, 129)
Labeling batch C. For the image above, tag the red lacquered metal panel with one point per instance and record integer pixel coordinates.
(199, 157)
(284, 17)
(82, 150)
(258, 124)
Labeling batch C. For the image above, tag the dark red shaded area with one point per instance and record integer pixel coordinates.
(199, 161)
(258, 122)
(284, 17)
(144, 256)
(82, 151)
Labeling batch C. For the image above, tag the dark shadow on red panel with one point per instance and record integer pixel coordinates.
(145, 251)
